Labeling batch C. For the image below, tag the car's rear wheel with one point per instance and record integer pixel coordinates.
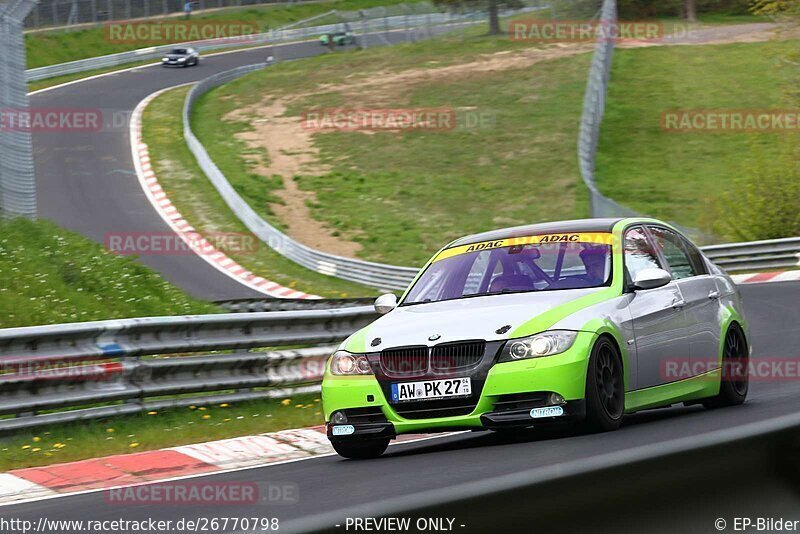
(735, 378)
(360, 450)
(605, 388)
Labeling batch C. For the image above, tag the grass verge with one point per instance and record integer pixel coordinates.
(681, 176)
(155, 430)
(200, 204)
(49, 275)
(388, 189)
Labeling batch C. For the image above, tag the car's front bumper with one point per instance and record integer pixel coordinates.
(564, 374)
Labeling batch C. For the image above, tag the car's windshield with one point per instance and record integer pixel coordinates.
(534, 263)
(179, 51)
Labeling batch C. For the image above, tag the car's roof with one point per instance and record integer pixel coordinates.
(578, 225)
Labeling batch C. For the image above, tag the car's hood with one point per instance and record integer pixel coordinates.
(469, 318)
(176, 56)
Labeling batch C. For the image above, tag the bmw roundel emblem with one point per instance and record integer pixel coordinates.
(434, 337)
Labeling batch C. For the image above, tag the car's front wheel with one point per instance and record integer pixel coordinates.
(361, 450)
(605, 388)
(734, 382)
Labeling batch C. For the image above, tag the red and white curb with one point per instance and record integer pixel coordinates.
(193, 239)
(188, 461)
(755, 278)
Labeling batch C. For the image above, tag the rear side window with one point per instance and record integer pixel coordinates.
(639, 252)
(676, 251)
(698, 263)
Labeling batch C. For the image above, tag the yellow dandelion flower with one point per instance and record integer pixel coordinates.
(134, 445)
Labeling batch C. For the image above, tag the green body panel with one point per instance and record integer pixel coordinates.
(357, 343)
(697, 387)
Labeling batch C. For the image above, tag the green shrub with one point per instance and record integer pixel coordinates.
(763, 204)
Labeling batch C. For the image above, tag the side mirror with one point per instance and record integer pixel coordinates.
(385, 303)
(651, 279)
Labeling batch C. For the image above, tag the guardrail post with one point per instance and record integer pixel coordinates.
(17, 178)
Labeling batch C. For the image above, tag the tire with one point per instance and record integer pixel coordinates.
(361, 450)
(735, 379)
(605, 388)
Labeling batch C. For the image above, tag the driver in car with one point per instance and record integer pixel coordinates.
(594, 260)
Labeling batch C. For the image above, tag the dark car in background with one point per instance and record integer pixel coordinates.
(181, 57)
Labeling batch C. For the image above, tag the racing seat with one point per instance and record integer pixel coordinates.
(511, 282)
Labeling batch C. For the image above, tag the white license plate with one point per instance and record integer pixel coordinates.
(431, 389)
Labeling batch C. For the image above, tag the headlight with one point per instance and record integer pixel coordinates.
(544, 344)
(164, 59)
(343, 363)
(181, 59)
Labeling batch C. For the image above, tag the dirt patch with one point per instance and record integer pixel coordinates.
(291, 153)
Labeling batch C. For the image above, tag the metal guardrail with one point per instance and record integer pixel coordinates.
(271, 305)
(104, 368)
(756, 255)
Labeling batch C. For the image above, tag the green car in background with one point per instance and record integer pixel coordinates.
(577, 321)
(338, 38)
